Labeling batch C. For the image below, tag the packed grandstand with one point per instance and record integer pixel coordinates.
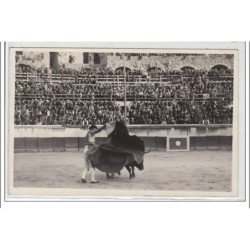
(96, 95)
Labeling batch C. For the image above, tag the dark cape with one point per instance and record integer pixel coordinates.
(122, 149)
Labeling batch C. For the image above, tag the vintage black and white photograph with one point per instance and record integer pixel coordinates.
(122, 122)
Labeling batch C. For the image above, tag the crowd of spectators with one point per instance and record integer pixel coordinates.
(46, 88)
(79, 112)
(181, 112)
(178, 88)
(61, 112)
(188, 97)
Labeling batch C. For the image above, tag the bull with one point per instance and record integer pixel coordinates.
(121, 150)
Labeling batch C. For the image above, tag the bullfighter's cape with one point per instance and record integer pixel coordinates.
(121, 149)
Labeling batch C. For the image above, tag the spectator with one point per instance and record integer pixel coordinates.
(89, 96)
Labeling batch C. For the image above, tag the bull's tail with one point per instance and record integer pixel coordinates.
(147, 151)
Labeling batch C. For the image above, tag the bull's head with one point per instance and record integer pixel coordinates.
(140, 166)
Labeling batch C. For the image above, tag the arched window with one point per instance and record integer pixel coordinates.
(154, 70)
(187, 69)
(220, 67)
(219, 70)
(120, 69)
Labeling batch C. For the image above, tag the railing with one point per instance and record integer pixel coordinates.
(58, 138)
(109, 78)
(130, 97)
(147, 130)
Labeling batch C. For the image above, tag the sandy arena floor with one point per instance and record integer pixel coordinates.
(187, 171)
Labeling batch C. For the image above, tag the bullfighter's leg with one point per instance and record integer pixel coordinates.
(85, 170)
(85, 165)
(92, 174)
(83, 179)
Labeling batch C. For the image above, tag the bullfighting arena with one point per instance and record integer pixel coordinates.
(178, 171)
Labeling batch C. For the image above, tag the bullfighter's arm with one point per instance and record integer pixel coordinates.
(99, 129)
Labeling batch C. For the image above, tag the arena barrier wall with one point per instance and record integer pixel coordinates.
(58, 138)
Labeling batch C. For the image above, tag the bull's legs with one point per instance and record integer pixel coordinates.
(133, 172)
(129, 170)
(110, 176)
